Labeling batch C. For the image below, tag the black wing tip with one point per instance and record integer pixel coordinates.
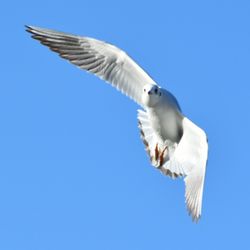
(38, 33)
(28, 28)
(31, 29)
(35, 30)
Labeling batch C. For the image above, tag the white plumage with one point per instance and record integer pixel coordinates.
(176, 146)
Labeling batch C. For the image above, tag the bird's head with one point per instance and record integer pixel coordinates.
(151, 95)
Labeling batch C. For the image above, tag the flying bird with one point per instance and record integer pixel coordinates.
(175, 145)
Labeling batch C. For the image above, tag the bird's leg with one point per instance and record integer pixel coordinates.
(159, 155)
(156, 152)
(162, 156)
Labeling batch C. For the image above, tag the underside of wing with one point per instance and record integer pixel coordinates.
(187, 158)
(97, 57)
(158, 150)
(191, 154)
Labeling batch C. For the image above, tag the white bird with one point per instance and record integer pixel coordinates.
(176, 146)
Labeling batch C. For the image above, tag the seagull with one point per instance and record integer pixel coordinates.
(175, 145)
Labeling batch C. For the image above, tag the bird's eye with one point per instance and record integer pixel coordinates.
(156, 90)
(144, 90)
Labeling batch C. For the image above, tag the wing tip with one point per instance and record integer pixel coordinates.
(35, 32)
(193, 205)
(31, 29)
(196, 216)
(28, 28)
(193, 196)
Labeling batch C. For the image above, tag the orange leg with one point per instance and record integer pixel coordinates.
(157, 152)
(162, 156)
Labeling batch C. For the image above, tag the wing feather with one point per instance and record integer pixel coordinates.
(187, 159)
(191, 158)
(100, 58)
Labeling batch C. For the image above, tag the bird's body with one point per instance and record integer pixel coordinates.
(166, 117)
(176, 146)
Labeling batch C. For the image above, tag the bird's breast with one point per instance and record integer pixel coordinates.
(166, 123)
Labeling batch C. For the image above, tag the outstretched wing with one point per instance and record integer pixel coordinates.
(187, 158)
(191, 154)
(100, 58)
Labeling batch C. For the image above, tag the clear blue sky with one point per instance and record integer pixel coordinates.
(74, 173)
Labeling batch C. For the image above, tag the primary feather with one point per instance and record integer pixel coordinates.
(102, 59)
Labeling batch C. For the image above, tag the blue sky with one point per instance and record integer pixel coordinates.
(74, 173)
